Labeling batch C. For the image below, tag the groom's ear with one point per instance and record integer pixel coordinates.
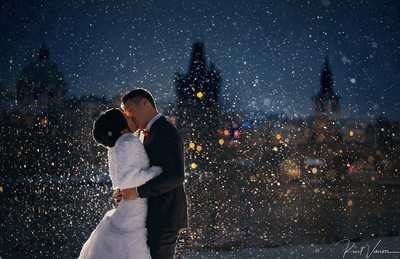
(145, 102)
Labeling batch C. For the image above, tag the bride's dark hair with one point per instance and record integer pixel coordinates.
(107, 128)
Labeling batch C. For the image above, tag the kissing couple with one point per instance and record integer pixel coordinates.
(147, 179)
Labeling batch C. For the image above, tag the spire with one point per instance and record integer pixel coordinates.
(43, 52)
(198, 62)
(326, 78)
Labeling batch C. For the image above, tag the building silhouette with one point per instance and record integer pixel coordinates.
(41, 83)
(326, 103)
(198, 108)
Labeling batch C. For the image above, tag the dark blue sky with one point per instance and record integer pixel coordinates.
(269, 53)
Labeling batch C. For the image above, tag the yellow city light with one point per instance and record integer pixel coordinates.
(191, 145)
(44, 121)
(199, 94)
(278, 136)
(193, 165)
(351, 133)
(221, 141)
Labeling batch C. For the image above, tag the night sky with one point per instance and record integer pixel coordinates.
(269, 53)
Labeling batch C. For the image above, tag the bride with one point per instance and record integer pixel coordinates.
(122, 232)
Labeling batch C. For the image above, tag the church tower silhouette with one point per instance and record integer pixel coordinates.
(198, 98)
(326, 103)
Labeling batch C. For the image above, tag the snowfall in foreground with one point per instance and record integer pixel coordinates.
(385, 247)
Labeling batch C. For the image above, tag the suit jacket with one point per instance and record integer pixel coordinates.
(167, 205)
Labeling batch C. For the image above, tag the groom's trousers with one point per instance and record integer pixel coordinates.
(162, 243)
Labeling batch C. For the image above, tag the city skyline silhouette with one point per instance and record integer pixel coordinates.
(270, 55)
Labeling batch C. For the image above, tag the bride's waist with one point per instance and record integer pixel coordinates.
(132, 209)
(134, 202)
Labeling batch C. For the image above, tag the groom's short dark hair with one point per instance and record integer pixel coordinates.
(137, 95)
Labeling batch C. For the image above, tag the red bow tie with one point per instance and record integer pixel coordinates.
(145, 132)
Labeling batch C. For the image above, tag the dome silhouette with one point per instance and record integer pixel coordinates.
(41, 82)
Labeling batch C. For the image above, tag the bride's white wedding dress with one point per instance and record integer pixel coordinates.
(122, 232)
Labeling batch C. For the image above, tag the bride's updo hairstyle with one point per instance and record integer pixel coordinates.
(107, 128)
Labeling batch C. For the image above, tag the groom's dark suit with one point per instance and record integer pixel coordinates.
(167, 207)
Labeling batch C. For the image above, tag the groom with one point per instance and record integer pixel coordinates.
(167, 208)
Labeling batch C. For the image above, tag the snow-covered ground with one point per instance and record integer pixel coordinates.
(385, 247)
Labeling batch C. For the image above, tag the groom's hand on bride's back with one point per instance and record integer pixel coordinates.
(129, 194)
(126, 194)
(117, 196)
